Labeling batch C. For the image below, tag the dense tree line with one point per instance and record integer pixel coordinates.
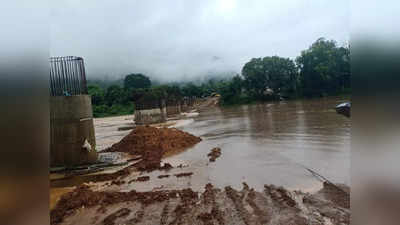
(117, 100)
(322, 69)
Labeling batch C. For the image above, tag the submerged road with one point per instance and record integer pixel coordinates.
(261, 144)
(265, 146)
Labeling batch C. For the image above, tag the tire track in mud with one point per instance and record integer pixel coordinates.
(179, 212)
(262, 216)
(164, 213)
(327, 209)
(218, 214)
(215, 213)
(138, 216)
(188, 199)
(121, 213)
(237, 199)
(274, 205)
(280, 197)
(288, 210)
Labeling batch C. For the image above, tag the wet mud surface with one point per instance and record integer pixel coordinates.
(140, 179)
(183, 174)
(273, 205)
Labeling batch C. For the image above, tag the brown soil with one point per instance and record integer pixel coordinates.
(215, 214)
(163, 176)
(78, 180)
(56, 193)
(237, 199)
(183, 174)
(146, 143)
(110, 220)
(140, 179)
(117, 182)
(275, 205)
(82, 196)
(152, 144)
(214, 154)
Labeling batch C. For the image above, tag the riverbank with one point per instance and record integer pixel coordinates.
(114, 199)
(257, 144)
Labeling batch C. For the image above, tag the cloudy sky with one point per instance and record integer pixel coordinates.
(183, 39)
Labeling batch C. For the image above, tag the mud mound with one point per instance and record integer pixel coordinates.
(144, 138)
(153, 143)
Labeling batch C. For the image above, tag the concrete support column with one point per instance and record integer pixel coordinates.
(71, 125)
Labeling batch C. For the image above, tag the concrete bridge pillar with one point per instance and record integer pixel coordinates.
(72, 140)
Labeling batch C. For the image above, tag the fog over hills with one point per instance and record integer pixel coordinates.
(189, 40)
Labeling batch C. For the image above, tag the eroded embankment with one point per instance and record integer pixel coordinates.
(273, 205)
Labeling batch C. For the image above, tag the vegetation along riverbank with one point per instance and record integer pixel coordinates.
(321, 70)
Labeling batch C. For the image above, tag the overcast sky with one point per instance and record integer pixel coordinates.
(183, 39)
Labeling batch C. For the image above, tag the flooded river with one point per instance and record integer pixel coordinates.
(270, 143)
(261, 144)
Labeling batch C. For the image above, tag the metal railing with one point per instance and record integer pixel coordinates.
(67, 76)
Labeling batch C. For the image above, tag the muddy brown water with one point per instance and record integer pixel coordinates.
(262, 144)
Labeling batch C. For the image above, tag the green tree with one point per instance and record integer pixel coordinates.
(173, 92)
(270, 76)
(324, 68)
(115, 95)
(97, 94)
(231, 91)
(134, 81)
(343, 63)
(191, 90)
